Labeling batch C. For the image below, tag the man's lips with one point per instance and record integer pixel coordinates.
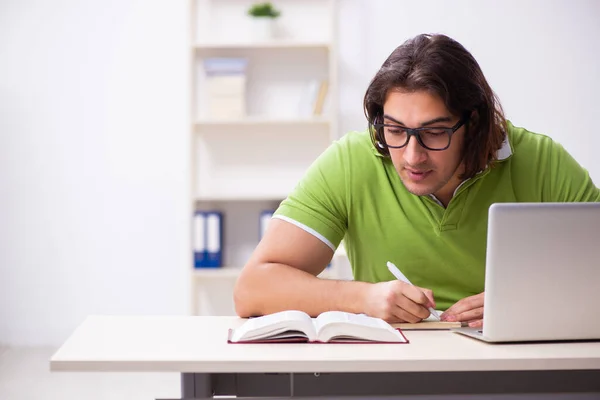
(417, 171)
(416, 174)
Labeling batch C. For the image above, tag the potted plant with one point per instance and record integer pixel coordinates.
(263, 17)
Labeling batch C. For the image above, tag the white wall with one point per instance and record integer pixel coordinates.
(94, 155)
(542, 57)
(94, 163)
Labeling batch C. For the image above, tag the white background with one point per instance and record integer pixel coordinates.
(94, 128)
(94, 166)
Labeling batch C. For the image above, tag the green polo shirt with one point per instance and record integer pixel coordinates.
(351, 192)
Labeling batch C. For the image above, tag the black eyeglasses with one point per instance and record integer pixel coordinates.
(431, 138)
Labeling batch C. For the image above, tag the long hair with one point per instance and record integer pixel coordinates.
(442, 66)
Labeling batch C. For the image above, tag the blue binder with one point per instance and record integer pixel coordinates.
(214, 239)
(208, 239)
(199, 239)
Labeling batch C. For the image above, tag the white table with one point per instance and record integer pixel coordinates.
(434, 362)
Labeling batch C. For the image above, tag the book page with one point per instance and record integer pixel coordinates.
(337, 324)
(330, 317)
(273, 325)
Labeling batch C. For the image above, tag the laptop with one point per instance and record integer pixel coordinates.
(542, 278)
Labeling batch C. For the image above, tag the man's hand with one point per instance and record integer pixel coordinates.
(397, 301)
(469, 309)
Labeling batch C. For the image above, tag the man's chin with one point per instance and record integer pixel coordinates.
(421, 189)
(418, 189)
(417, 192)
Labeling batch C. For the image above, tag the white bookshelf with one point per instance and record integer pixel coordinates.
(242, 165)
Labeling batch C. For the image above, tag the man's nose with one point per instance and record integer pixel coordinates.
(414, 153)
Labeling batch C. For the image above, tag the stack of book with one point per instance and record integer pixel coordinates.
(226, 87)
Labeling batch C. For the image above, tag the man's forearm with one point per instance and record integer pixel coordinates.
(269, 288)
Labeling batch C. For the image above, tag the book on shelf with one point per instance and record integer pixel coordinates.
(313, 99)
(225, 87)
(328, 327)
(319, 102)
(208, 239)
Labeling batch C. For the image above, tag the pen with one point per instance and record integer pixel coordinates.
(400, 276)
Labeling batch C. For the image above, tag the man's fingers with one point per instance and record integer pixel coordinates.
(419, 296)
(469, 315)
(407, 306)
(466, 304)
(411, 304)
(476, 324)
(406, 316)
(429, 295)
(408, 303)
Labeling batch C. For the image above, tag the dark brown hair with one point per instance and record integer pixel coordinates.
(442, 66)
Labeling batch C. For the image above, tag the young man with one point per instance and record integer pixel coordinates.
(414, 189)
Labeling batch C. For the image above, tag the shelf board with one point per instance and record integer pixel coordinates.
(222, 272)
(241, 197)
(262, 121)
(234, 272)
(273, 44)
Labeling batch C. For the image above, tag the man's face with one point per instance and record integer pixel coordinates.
(424, 171)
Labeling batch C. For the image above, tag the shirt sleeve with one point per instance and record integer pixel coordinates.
(567, 180)
(318, 203)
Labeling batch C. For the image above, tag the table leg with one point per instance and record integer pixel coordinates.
(196, 386)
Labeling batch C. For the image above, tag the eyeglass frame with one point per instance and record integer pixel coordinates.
(416, 133)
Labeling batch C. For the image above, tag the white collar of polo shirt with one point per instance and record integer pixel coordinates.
(502, 154)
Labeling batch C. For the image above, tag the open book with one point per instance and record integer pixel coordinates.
(328, 327)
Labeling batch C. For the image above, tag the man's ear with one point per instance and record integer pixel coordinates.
(474, 118)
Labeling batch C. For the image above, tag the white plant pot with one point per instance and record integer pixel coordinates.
(262, 28)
